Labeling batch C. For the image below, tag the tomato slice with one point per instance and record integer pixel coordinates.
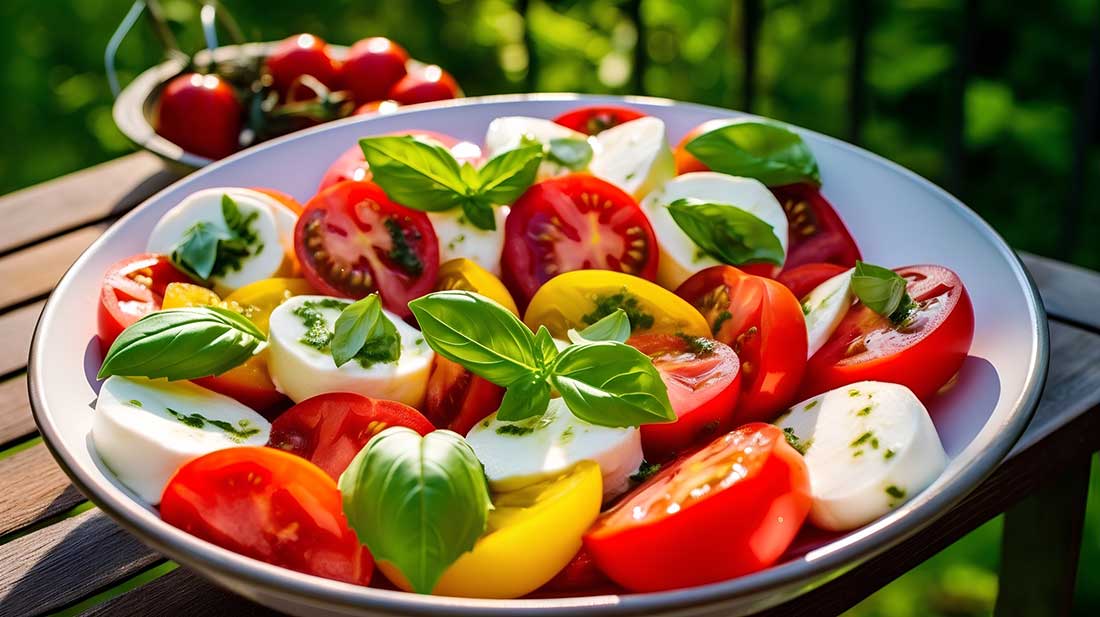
(592, 119)
(817, 234)
(729, 509)
(762, 321)
(923, 353)
(330, 429)
(268, 505)
(579, 577)
(351, 165)
(575, 222)
(803, 279)
(703, 377)
(131, 289)
(685, 161)
(352, 240)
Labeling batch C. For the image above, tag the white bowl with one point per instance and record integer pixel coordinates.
(896, 217)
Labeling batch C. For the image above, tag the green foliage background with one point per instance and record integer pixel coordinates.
(1021, 106)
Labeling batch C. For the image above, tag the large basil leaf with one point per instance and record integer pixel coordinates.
(415, 174)
(727, 233)
(506, 176)
(767, 151)
(611, 384)
(882, 290)
(524, 398)
(362, 330)
(416, 502)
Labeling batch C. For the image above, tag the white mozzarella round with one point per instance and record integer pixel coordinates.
(285, 218)
(458, 238)
(825, 307)
(144, 430)
(301, 371)
(516, 454)
(508, 133)
(680, 257)
(869, 447)
(268, 256)
(634, 156)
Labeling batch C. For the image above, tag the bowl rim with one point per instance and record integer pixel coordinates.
(843, 553)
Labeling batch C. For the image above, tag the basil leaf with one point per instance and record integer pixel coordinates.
(197, 251)
(611, 384)
(525, 398)
(727, 233)
(416, 502)
(882, 290)
(479, 213)
(570, 152)
(767, 151)
(506, 176)
(239, 225)
(614, 327)
(413, 173)
(363, 330)
(545, 348)
(183, 343)
(477, 333)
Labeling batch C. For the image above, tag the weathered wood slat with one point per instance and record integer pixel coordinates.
(33, 487)
(15, 411)
(1069, 293)
(180, 592)
(34, 271)
(61, 564)
(16, 330)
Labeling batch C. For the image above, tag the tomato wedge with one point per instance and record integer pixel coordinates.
(351, 240)
(593, 119)
(729, 509)
(817, 234)
(803, 279)
(762, 321)
(268, 505)
(330, 429)
(131, 289)
(923, 352)
(703, 377)
(574, 222)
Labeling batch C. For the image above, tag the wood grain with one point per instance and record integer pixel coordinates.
(16, 330)
(1069, 293)
(15, 410)
(179, 593)
(33, 487)
(34, 271)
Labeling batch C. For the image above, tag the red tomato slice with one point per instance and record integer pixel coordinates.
(727, 510)
(457, 399)
(803, 279)
(923, 353)
(592, 119)
(330, 429)
(703, 377)
(268, 505)
(762, 321)
(575, 222)
(816, 232)
(351, 165)
(352, 240)
(133, 288)
(579, 577)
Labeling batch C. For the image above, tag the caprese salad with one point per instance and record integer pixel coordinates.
(568, 360)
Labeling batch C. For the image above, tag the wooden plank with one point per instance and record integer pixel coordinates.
(1069, 293)
(63, 563)
(15, 410)
(34, 271)
(33, 488)
(16, 330)
(180, 592)
(94, 194)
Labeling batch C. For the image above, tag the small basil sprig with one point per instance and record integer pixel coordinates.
(614, 327)
(883, 291)
(569, 152)
(416, 502)
(363, 331)
(769, 152)
(727, 233)
(183, 343)
(427, 177)
(606, 383)
(207, 250)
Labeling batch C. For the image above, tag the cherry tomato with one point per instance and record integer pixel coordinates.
(592, 119)
(923, 352)
(352, 165)
(201, 114)
(372, 67)
(352, 240)
(131, 289)
(803, 279)
(268, 505)
(424, 84)
(703, 377)
(727, 510)
(574, 222)
(816, 232)
(330, 429)
(762, 321)
(301, 54)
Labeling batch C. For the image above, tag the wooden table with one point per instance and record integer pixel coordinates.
(58, 552)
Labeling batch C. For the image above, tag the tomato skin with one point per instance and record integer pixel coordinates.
(301, 54)
(727, 532)
(131, 289)
(803, 279)
(817, 233)
(578, 577)
(762, 321)
(924, 359)
(592, 119)
(352, 165)
(423, 85)
(344, 244)
(544, 234)
(456, 399)
(201, 114)
(373, 66)
(702, 386)
(268, 505)
(249, 383)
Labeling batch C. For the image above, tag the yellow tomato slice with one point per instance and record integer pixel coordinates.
(533, 532)
(580, 298)
(466, 275)
(183, 295)
(256, 300)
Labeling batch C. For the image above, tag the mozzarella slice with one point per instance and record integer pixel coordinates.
(508, 133)
(825, 307)
(301, 371)
(285, 218)
(634, 156)
(516, 454)
(680, 257)
(144, 430)
(869, 447)
(458, 238)
(267, 256)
